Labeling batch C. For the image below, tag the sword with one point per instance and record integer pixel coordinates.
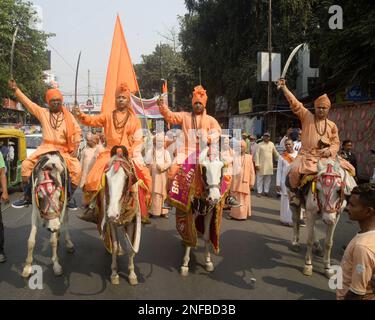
(76, 81)
(12, 52)
(291, 56)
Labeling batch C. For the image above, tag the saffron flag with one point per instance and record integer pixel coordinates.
(120, 69)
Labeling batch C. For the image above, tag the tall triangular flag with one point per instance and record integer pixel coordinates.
(120, 69)
(165, 88)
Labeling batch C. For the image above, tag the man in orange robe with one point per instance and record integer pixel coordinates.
(61, 133)
(319, 137)
(242, 184)
(207, 129)
(121, 128)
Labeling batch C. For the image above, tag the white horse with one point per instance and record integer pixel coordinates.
(121, 185)
(325, 200)
(49, 198)
(207, 207)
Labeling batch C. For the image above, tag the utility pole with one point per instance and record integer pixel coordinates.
(89, 88)
(271, 121)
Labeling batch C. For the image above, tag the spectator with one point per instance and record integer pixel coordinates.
(347, 154)
(264, 164)
(242, 184)
(4, 198)
(358, 262)
(282, 170)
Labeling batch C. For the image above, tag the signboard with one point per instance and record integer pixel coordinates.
(263, 66)
(89, 104)
(245, 106)
(356, 94)
(12, 105)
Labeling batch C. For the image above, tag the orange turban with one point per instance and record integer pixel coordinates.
(124, 89)
(53, 94)
(322, 100)
(199, 95)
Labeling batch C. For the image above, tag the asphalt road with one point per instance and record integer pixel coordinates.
(257, 248)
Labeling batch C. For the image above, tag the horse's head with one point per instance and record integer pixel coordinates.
(212, 173)
(330, 188)
(49, 190)
(117, 174)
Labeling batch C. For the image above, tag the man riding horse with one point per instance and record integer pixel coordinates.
(197, 126)
(319, 137)
(61, 133)
(122, 128)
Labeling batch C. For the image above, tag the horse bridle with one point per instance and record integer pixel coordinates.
(331, 177)
(48, 188)
(127, 166)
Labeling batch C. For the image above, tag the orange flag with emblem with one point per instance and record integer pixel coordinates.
(120, 69)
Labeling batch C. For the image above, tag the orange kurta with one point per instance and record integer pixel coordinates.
(309, 154)
(130, 137)
(160, 161)
(53, 139)
(240, 188)
(206, 123)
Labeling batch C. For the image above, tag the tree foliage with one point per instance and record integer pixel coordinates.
(165, 63)
(223, 38)
(30, 57)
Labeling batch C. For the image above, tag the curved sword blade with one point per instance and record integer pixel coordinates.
(285, 70)
(12, 52)
(76, 81)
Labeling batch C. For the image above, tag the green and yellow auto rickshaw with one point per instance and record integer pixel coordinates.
(13, 147)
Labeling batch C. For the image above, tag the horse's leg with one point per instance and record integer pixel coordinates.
(295, 218)
(115, 279)
(57, 269)
(68, 241)
(132, 276)
(30, 246)
(206, 238)
(185, 265)
(328, 243)
(311, 216)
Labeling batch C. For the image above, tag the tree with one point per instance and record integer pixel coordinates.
(30, 58)
(165, 63)
(223, 38)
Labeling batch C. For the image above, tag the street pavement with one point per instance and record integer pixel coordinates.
(259, 248)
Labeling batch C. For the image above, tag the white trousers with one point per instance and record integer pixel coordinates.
(285, 212)
(263, 181)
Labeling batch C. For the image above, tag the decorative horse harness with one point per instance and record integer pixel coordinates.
(329, 179)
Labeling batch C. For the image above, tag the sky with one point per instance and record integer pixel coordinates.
(88, 25)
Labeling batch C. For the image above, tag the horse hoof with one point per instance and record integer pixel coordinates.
(115, 279)
(70, 249)
(296, 247)
(57, 270)
(209, 266)
(184, 271)
(133, 280)
(26, 272)
(329, 272)
(308, 270)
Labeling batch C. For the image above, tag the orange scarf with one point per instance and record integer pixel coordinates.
(70, 132)
(287, 156)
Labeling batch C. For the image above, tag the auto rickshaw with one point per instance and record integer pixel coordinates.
(13, 142)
